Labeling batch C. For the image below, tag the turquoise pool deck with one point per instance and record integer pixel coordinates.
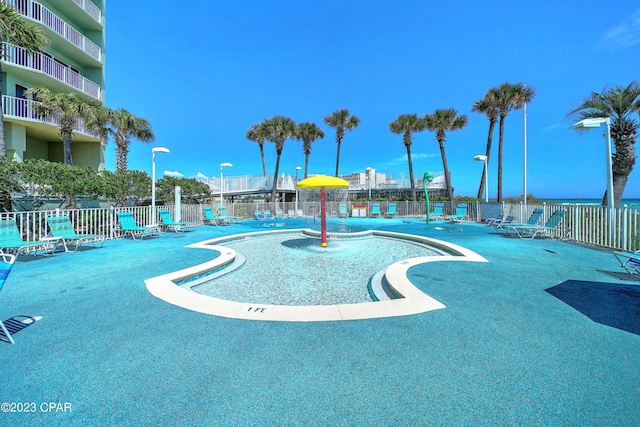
(540, 335)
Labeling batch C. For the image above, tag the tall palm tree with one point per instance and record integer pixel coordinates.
(406, 124)
(308, 133)
(279, 128)
(618, 103)
(510, 97)
(489, 106)
(341, 121)
(442, 121)
(124, 127)
(258, 133)
(17, 30)
(67, 109)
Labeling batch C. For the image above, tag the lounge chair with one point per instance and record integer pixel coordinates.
(375, 211)
(500, 224)
(291, 213)
(489, 221)
(228, 219)
(342, 211)
(553, 224)
(279, 214)
(630, 261)
(61, 226)
(437, 211)
(128, 226)
(258, 215)
(460, 214)
(268, 215)
(168, 224)
(210, 218)
(533, 220)
(6, 263)
(11, 241)
(391, 212)
(299, 213)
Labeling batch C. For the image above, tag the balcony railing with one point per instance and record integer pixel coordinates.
(38, 12)
(22, 108)
(46, 64)
(90, 8)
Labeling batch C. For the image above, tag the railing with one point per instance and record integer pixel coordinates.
(27, 109)
(40, 13)
(91, 9)
(590, 225)
(48, 65)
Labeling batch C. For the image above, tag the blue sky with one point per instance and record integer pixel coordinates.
(204, 72)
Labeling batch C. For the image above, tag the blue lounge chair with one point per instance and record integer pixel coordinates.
(210, 218)
(6, 263)
(553, 224)
(342, 211)
(279, 214)
(489, 221)
(170, 225)
(128, 226)
(268, 215)
(630, 261)
(11, 241)
(533, 220)
(437, 211)
(291, 213)
(228, 219)
(500, 224)
(375, 211)
(391, 212)
(258, 215)
(460, 215)
(61, 226)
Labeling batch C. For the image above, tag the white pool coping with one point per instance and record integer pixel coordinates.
(415, 301)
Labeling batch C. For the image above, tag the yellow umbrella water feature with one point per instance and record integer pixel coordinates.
(323, 182)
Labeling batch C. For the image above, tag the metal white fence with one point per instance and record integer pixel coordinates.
(617, 229)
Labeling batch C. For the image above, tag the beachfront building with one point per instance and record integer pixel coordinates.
(73, 62)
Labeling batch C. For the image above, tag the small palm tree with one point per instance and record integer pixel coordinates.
(17, 30)
(442, 121)
(341, 121)
(618, 103)
(258, 133)
(279, 128)
(489, 106)
(124, 127)
(308, 133)
(67, 109)
(406, 124)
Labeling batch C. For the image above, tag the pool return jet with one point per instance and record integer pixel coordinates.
(323, 182)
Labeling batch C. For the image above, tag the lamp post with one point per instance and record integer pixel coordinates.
(524, 156)
(155, 150)
(368, 172)
(223, 165)
(480, 158)
(296, 187)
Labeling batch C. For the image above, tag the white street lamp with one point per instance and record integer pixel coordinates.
(223, 165)
(484, 159)
(296, 187)
(368, 171)
(155, 150)
(524, 156)
(587, 124)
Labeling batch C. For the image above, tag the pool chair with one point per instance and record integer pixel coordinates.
(630, 261)
(268, 215)
(227, 219)
(501, 223)
(210, 218)
(6, 263)
(489, 221)
(533, 220)
(11, 241)
(437, 212)
(168, 224)
(299, 213)
(291, 213)
(342, 211)
(550, 228)
(61, 226)
(460, 214)
(391, 212)
(375, 211)
(258, 215)
(279, 214)
(128, 226)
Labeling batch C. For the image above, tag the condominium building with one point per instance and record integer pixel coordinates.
(73, 62)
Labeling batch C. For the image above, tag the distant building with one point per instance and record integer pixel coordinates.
(74, 62)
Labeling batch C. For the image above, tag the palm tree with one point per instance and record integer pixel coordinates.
(341, 121)
(489, 106)
(127, 126)
(510, 97)
(618, 103)
(441, 121)
(279, 128)
(258, 133)
(308, 133)
(67, 109)
(17, 30)
(406, 124)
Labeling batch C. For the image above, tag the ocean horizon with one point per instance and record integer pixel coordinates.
(632, 203)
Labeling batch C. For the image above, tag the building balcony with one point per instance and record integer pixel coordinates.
(21, 110)
(91, 9)
(58, 26)
(47, 64)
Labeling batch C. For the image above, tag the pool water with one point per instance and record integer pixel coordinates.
(293, 269)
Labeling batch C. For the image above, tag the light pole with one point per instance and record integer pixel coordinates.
(223, 165)
(480, 158)
(296, 187)
(155, 150)
(368, 171)
(524, 155)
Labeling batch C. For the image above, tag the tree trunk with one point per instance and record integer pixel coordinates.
(306, 165)
(447, 178)
(338, 156)
(413, 189)
(492, 124)
(500, 149)
(275, 178)
(68, 147)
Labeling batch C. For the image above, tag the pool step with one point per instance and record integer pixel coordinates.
(379, 288)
